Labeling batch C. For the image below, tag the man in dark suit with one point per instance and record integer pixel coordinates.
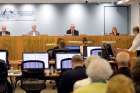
(73, 31)
(4, 31)
(68, 78)
(123, 59)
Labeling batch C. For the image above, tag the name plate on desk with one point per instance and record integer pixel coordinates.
(109, 42)
(75, 41)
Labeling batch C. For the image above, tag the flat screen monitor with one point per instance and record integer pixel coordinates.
(96, 52)
(37, 56)
(62, 56)
(31, 65)
(67, 64)
(3, 56)
(73, 49)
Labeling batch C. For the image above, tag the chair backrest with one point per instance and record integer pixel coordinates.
(33, 68)
(4, 56)
(66, 64)
(3, 71)
(5, 86)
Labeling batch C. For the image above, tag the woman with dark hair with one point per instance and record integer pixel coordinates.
(114, 32)
(60, 45)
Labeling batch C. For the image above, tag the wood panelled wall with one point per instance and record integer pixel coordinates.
(16, 45)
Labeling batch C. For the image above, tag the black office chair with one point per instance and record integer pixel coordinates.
(32, 80)
(66, 64)
(5, 86)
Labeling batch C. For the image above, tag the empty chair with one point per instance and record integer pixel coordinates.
(5, 86)
(32, 80)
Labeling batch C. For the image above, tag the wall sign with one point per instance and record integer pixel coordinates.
(15, 15)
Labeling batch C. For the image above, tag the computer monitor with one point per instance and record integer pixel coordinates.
(37, 56)
(32, 65)
(66, 63)
(89, 48)
(73, 49)
(4, 56)
(96, 52)
(62, 56)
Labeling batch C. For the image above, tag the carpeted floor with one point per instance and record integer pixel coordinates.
(47, 90)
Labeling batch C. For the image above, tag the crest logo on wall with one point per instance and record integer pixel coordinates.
(15, 15)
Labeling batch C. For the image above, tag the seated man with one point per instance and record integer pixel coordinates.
(73, 31)
(34, 31)
(68, 78)
(4, 31)
(123, 59)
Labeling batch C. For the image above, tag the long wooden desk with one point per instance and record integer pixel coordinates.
(16, 45)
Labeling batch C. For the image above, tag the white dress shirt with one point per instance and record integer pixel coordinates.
(82, 83)
(136, 43)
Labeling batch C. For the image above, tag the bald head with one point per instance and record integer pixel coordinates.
(77, 60)
(123, 59)
(34, 27)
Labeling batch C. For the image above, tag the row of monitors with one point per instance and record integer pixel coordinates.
(59, 56)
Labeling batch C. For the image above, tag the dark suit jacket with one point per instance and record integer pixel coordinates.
(67, 80)
(76, 33)
(125, 71)
(2, 33)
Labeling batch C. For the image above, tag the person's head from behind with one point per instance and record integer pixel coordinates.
(77, 61)
(90, 59)
(72, 27)
(99, 70)
(4, 28)
(122, 59)
(136, 30)
(135, 73)
(120, 84)
(114, 30)
(34, 27)
(60, 42)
